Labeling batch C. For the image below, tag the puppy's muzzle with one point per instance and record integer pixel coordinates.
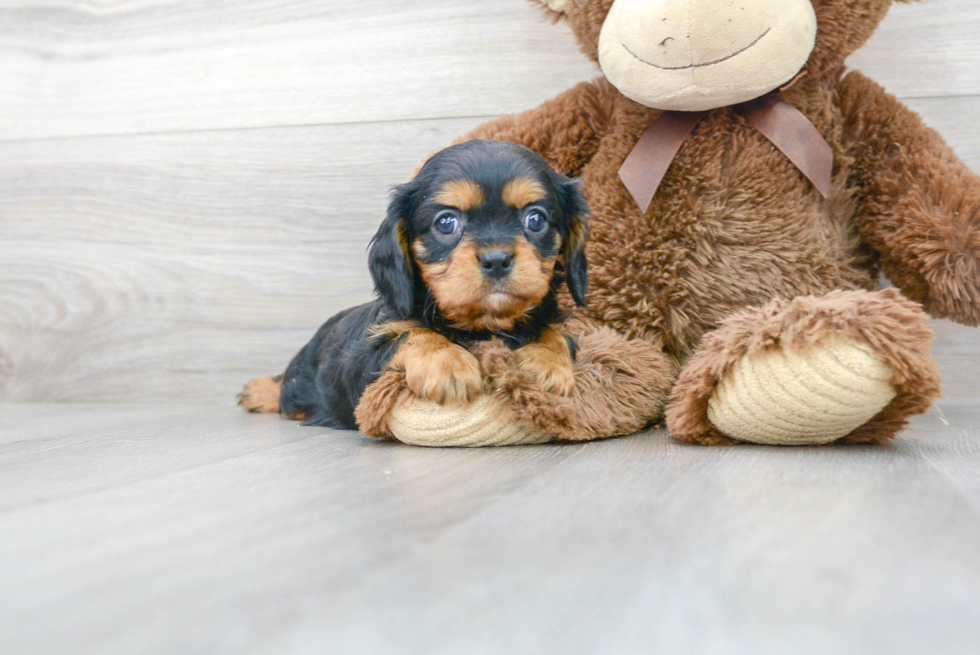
(496, 264)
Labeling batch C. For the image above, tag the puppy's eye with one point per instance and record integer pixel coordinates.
(535, 222)
(446, 225)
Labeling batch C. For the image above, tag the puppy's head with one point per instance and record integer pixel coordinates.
(482, 231)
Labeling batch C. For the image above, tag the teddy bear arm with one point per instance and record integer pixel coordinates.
(919, 204)
(565, 130)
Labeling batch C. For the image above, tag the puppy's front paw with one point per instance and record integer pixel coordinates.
(448, 375)
(437, 369)
(551, 362)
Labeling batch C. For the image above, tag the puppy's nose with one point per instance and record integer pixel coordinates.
(496, 263)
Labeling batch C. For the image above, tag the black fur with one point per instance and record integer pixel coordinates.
(573, 250)
(326, 379)
(389, 261)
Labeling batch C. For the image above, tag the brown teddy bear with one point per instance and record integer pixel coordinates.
(746, 190)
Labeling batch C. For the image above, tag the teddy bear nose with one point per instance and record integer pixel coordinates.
(496, 263)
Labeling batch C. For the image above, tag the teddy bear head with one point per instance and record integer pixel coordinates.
(694, 55)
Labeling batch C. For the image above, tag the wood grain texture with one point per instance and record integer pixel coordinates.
(174, 65)
(229, 216)
(178, 266)
(149, 529)
(925, 49)
(83, 68)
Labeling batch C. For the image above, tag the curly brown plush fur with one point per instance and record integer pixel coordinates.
(736, 226)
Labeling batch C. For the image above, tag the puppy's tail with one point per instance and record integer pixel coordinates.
(261, 395)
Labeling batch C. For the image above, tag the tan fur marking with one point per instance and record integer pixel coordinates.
(261, 395)
(436, 368)
(472, 302)
(394, 329)
(550, 360)
(577, 234)
(531, 277)
(461, 194)
(402, 237)
(522, 191)
(419, 249)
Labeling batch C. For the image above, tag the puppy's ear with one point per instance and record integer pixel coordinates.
(389, 259)
(574, 231)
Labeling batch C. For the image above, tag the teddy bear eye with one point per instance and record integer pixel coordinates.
(446, 224)
(535, 221)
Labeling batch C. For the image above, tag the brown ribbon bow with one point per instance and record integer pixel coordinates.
(780, 122)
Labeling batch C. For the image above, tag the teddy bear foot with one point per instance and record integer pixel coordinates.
(851, 365)
(621, 386)
(812, 396)
(480, 423)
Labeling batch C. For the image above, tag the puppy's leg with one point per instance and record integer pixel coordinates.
(436, 368)
(261, 395)
(550, 359)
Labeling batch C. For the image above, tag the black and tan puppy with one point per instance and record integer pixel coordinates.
(474, 247)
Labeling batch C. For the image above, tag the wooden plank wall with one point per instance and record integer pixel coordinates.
(187, 188)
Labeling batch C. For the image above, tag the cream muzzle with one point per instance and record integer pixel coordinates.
(695, 55)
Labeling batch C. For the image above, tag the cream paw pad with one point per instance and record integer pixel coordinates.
(425, 423)
(813, 395)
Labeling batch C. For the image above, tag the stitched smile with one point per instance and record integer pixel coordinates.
(710, 63)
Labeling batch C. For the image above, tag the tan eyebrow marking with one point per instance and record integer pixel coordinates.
(419, 248)
(461, 194)
(522, 191)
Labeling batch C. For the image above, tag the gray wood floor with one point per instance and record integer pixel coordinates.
(155, 529)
